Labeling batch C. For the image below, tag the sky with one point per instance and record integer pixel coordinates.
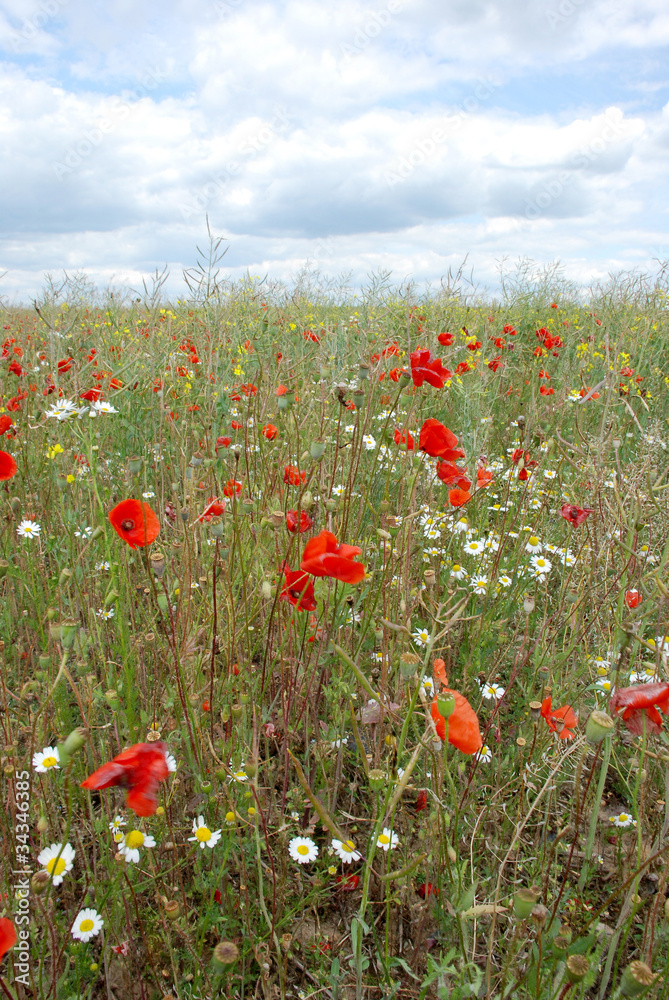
(402, 137)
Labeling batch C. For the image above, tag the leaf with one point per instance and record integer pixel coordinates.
(480, 909)
(467, 899)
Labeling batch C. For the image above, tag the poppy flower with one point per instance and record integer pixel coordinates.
(403, 438)
(5, 423)
(323, 556)
(304, 524)
(575, 515)
(140, 769)
(585, 392)
(293, 476)
(457, 497)
(91, 395)
(64, 365)
(7, 936)
(425, 368)
(566, 713)
(452, 475)
(347, 883)
(222, 442)
(437, 441)
(463, 724)
(463, 367)
(232, 488)
(483, 477)
(269, 432)
(135, 523)
(633, 598)
(7, 466)
(445, 339)
(214, 509)
(298, 589)
(639, 700)
(427, 889)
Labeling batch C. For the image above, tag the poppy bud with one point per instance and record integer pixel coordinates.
(4, 566)
(636, 979)
(65, 576)
(332, 505)
(51, 614)
(251, 766)
(68, 632)
(226, 952)
(39, 882)
(111, 598)
(42, 824)
(98, 532)
(283, 402)
(135, 465)
(317, 450)
(577, 969)
(363, 371)
(524, 901)
(405, 379)
(75, 740)
(452, 856)
(598, 726)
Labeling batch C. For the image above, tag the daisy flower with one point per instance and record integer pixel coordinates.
(87, 924)
(427, 687)
(345, 851)
(102, 567)
(533, 544)
(46, 759)
(461, 525)
(458, 572)
(106, 613)
(505, 580)
(240, 776)
(550, 474)
(489, 691)
(603, 684)
(369, 442)
(303, 850)
(540, 564)
(203, 835)
(83, 533)
(100, 406)
(28, 529)
(491, 544)
(599, 661)
(132, 843)
(57, 860)
(171, 762)
(479, 584)
(388, 840)
(474, 547)
(484, 755)
(148, 494)
(63, 409)
(622, 820)
(421, 637)
(115, 827)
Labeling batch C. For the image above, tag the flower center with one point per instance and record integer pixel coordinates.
(623, 817)
(86, 926)
(49, 762)
(134, 839)
(456, 568)
(384, 839)
(56, 866)
(127, 524)
(533, 540)
(203, 834)
(302, 849)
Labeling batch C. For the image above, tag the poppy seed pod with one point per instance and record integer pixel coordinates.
(317, 450)
(363, 372)
(68, 632)
(446, 703)
(4, 566)
(598, 726)
(524, 902)
(157, 561)
(226, 952)
(135, 465)
(636, 979)
(377, 779)
(172, 910)
(39, 882)
(577, 969)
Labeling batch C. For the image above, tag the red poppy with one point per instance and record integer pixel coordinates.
(7, 466)
(639, 703)
(5, 423)
(323, 556)
(633, 598)
(575, 515)
(140, 769)
(269, 431)
(65, 365)
(236, 426)
(584, 392)
(232, 488)
(7, 936)
(135, 523)
(298, 589)
(545, 390)
(437, 441)
(214, 509)
(452, 475)
(305, 521)
(463, 724)
(293, 476)
(483, 477)
(458, 497)
(425, 368)
(474, 345)
(463, 367)
(15, 368)
(421, 802)
(115, 383)
(91, 395)
(445, 339)
(347, 883)
(222, 442)
(566, 713)
(427, 889)
(404, 439)
(495, 364)
(310, 335)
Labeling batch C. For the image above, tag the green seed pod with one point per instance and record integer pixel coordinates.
(446, 707)
(68, 632)
(598, 726)
(577, 969)
(524, 901)
(636, 979)
(226, 952)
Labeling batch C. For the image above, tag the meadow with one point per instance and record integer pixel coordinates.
(334, 642)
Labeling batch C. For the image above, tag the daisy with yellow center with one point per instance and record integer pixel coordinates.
(46, 760)
(345, 850)
(88, 924)
(132, 843)
(303, 850)
(387, 840)
(57, 861)
(203, 835)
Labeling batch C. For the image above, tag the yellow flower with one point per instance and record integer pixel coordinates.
(54, 450)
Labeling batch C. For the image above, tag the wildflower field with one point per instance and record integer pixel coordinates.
(334, 645)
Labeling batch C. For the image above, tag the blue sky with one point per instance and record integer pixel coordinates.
(398, 136)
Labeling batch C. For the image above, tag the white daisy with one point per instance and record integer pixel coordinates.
(490, 691)
(421, 637)
(599, 661)
(102, 567)
(171, 762)
(603, 684)
(115, 827)
(388, 840)
(345, 851)
(479, 584)
(87, 924)
(484, 755)
(240, 776)
(106, 613)
(62, 410)
(28, 529)
(148, 495)
(100, 406)
(132, 843)
(458, 572)
(491, 544)
(369, 442)
(46, 760)
(622, 820)
(203, 835)
(461, 525)
(427, 687)
(533, 544)
(540, 564)
(505, 580)
(57, 860)
(550, 474)
(474, 547)
(83, 532)
(303, 850)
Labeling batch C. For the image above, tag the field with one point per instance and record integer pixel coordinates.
(347, 577)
